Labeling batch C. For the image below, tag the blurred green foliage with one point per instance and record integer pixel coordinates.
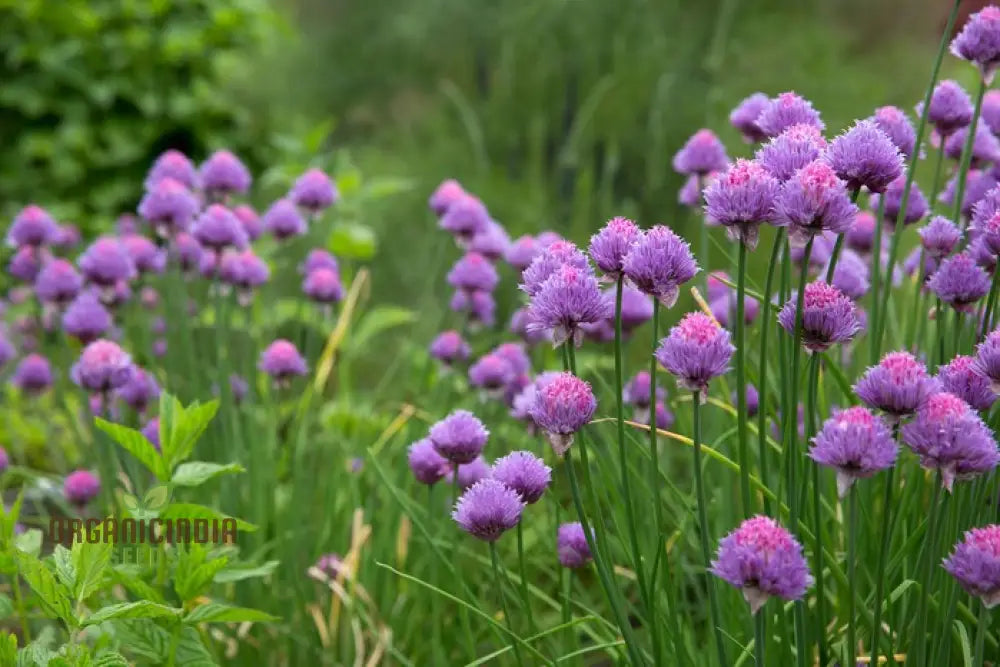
(93, 90)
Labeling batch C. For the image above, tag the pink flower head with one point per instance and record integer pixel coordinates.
(975, 563)
(702, 154)
(741, 199)
(609, 246)
(791, 150)
(785, 110)
(828, 317)
(445, 195)
(562, 406)
(696, 350)
(979, 42)
(744, 117)
(814, 200)
(102, 366)
(659, 263)
(856, 443)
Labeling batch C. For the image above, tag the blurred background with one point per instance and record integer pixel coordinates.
(557, 113)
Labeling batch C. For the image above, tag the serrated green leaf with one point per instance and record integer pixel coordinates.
(231, 574)
(180, 428)
(139, 609)
(35, 655)
(8, 518)
(191, 652)
(62, 558)
(143, 637)
(136, 444)
(108, 658)
(30, 541)
(90, 561)
(215, 612)
(196, 473)
(53, 596)
(135, 585)
(194, 576)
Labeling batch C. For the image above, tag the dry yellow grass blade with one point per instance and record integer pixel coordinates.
(326, 360)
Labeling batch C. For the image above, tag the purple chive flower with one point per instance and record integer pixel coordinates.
(985, 146)
(812, 201)
(514, 354)
(988, 359)
(149, 298)
(102, 366)
(850, 275)
(982, 254)
(856, 443)
(702, 153)
(144, 253)
(950, 108)
(791, 150)
(492, 373)
(217, 228)
(313, 191)
(979, 42)
(460, 437)
(563, 404)
(524, 473)
(522, 251)
(86, 319)
(599, 332)
(895, 124)
(331, 566)
(174, 165)
(323, 286)
(449, 347)
(33, 375)
(753, 399)
(571, 545)
(106, 261)
(80, 487)
(864, 156)
(245, 271)
(659, 263)
(140, 389)
(67, 237)
(912, 261)
(471, 472)
(916, 208)
(488, 509)
(188, 251)
(168, 206)
(960, 282)
(427, 465)
(609, 246)
(33, 226)
(480, 306)
(786, 110)
(223, 173)
(716, 286)
(4, 460)
(960, 377)
(445, 195)
(724, 309)
(318, 259)
(7, 351)
(252, 224)
(949, 436)
(282, 361)
(696, 350)
(989, 232)
(151, 431)
(741, 199)
(546, 263)
(473, 273)
(975, 563)
(664, 418)
(977, 184)
(283, 220)
(744, 117)
(828, 317)
(898, 385)
(990, 113)
(763, 559)
(465, 217)
(519, 325)
(126, 224)
(690, 193)
(238, 387)
(26, 263)
(58, 282)
(636, 393)
(637, 308)
(940, 236)
(567, 300)
(492, 242)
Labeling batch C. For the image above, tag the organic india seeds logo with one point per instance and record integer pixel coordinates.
(144, 525)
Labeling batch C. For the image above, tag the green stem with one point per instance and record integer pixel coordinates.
(852, 546)
(523, 572)
(741, 380)
(939, 327)
(911, 170)
(918, 644)
(984, 614)
(838, 246)
(760, 636)
(883, 553)
(706, 553)
(990, 304)
(966, 161)
(810, 415)
(762, 359)
(498, 578)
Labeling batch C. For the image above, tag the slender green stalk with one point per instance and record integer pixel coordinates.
(883, 553)
(741, 380)
(633, 533)
(928, 552)
(567, 585)
(706, 553)
(984, 615)
(966, 161)
(762, 360)
(852, 553)
(939, 327)
(990, 304)
(760, 636)
(838, 246)
(514, 639)
(911, 173)
(810, 414)
(523, 574)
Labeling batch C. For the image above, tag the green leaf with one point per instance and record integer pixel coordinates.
(377, 320)
(62, 558)
(29, 541)
(125, 575)
(8, 519)
(91, 560)
(215, 612)
(156, 498)
(136, 444)
(143, 637)
(140, 609)
(353, 241)
(192, 512)
(129, 502)
(196, 473)
(180, 428)
(194, 574)
(108, 658)
(35, 655)
(191, 652)
(53, 596)
(231, 574)
(8, 647)
(963, 642)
